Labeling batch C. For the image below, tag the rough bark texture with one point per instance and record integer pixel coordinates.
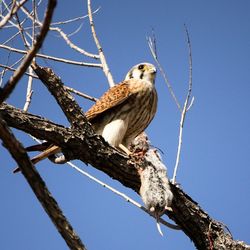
(79, 142)
(39, 188)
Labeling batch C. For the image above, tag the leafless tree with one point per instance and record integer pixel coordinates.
(23, 17)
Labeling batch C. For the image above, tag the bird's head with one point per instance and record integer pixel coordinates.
(144, 71)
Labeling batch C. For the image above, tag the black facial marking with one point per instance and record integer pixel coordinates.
(141, 66)
(141, 75)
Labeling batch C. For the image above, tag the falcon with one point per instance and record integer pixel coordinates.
(123, 112)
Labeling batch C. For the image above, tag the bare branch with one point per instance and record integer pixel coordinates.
(77, 92)
(15, 7)
(192, 219)
(152, 47)
(39, 188)
(81, 94)
(13, 69)
(100, 49)
(65, 37)
(57, 59)
(13, 24)
(185, 107)
(63, 97)
(34, 21)
(21, 31)
(4, 70)
(128, 199)
(11, 38)
(72, 45)
(29, 91)
(10, 85)
(75, 19)
(75, 31)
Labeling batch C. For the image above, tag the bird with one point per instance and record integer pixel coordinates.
(123, 111)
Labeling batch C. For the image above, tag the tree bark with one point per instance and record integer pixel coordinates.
(39, 187)
(79, 142)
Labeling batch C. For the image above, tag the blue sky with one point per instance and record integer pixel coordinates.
(214, 168)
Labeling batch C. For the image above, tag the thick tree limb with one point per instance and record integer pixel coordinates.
(75, 145)
(197, 224)
(80, 143)
(39, 188)
(71, 109)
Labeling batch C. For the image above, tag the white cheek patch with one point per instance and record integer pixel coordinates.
(114, 132)
(137, 74)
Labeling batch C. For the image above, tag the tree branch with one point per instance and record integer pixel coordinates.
(15, 7)
(100, 49)
(63, 97)
(53, 58)
(185, 108)
(80, 143)
(64, 36)
(75, 144)
(39, 188)
(196, 223)
(10, 85)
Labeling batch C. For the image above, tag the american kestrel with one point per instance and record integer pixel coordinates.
(124, 111)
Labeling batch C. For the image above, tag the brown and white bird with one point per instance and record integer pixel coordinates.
(124, 111)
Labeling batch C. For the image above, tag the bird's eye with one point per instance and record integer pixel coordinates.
(141, 66)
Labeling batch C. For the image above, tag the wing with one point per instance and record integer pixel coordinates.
(113, 97)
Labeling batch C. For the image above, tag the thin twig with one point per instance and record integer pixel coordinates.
(34, 21)
(65, 37)
(4, 70)
(77, 92)
(75, 31)
(9, 15)
(75, 19)
(29, 91)
(81, 94)
(7, 67)
(10, 85)
(128, 199)
(152, 46)
(100, 49)
(16, 25)
(21, 31)
(191, 103)
(15, 7)
(185, 108)
(11, 38)
(72, 45)
(97, 65)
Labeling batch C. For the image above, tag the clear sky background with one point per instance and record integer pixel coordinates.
(214, 168)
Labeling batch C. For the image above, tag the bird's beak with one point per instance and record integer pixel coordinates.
(153, 71)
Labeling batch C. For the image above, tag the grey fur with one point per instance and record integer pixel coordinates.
(155, 190)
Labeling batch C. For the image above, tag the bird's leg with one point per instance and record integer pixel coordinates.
(45, 154)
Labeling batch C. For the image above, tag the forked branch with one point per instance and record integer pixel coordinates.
(10, 85)
(14, 8)
(185, 108)
(187, 104)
